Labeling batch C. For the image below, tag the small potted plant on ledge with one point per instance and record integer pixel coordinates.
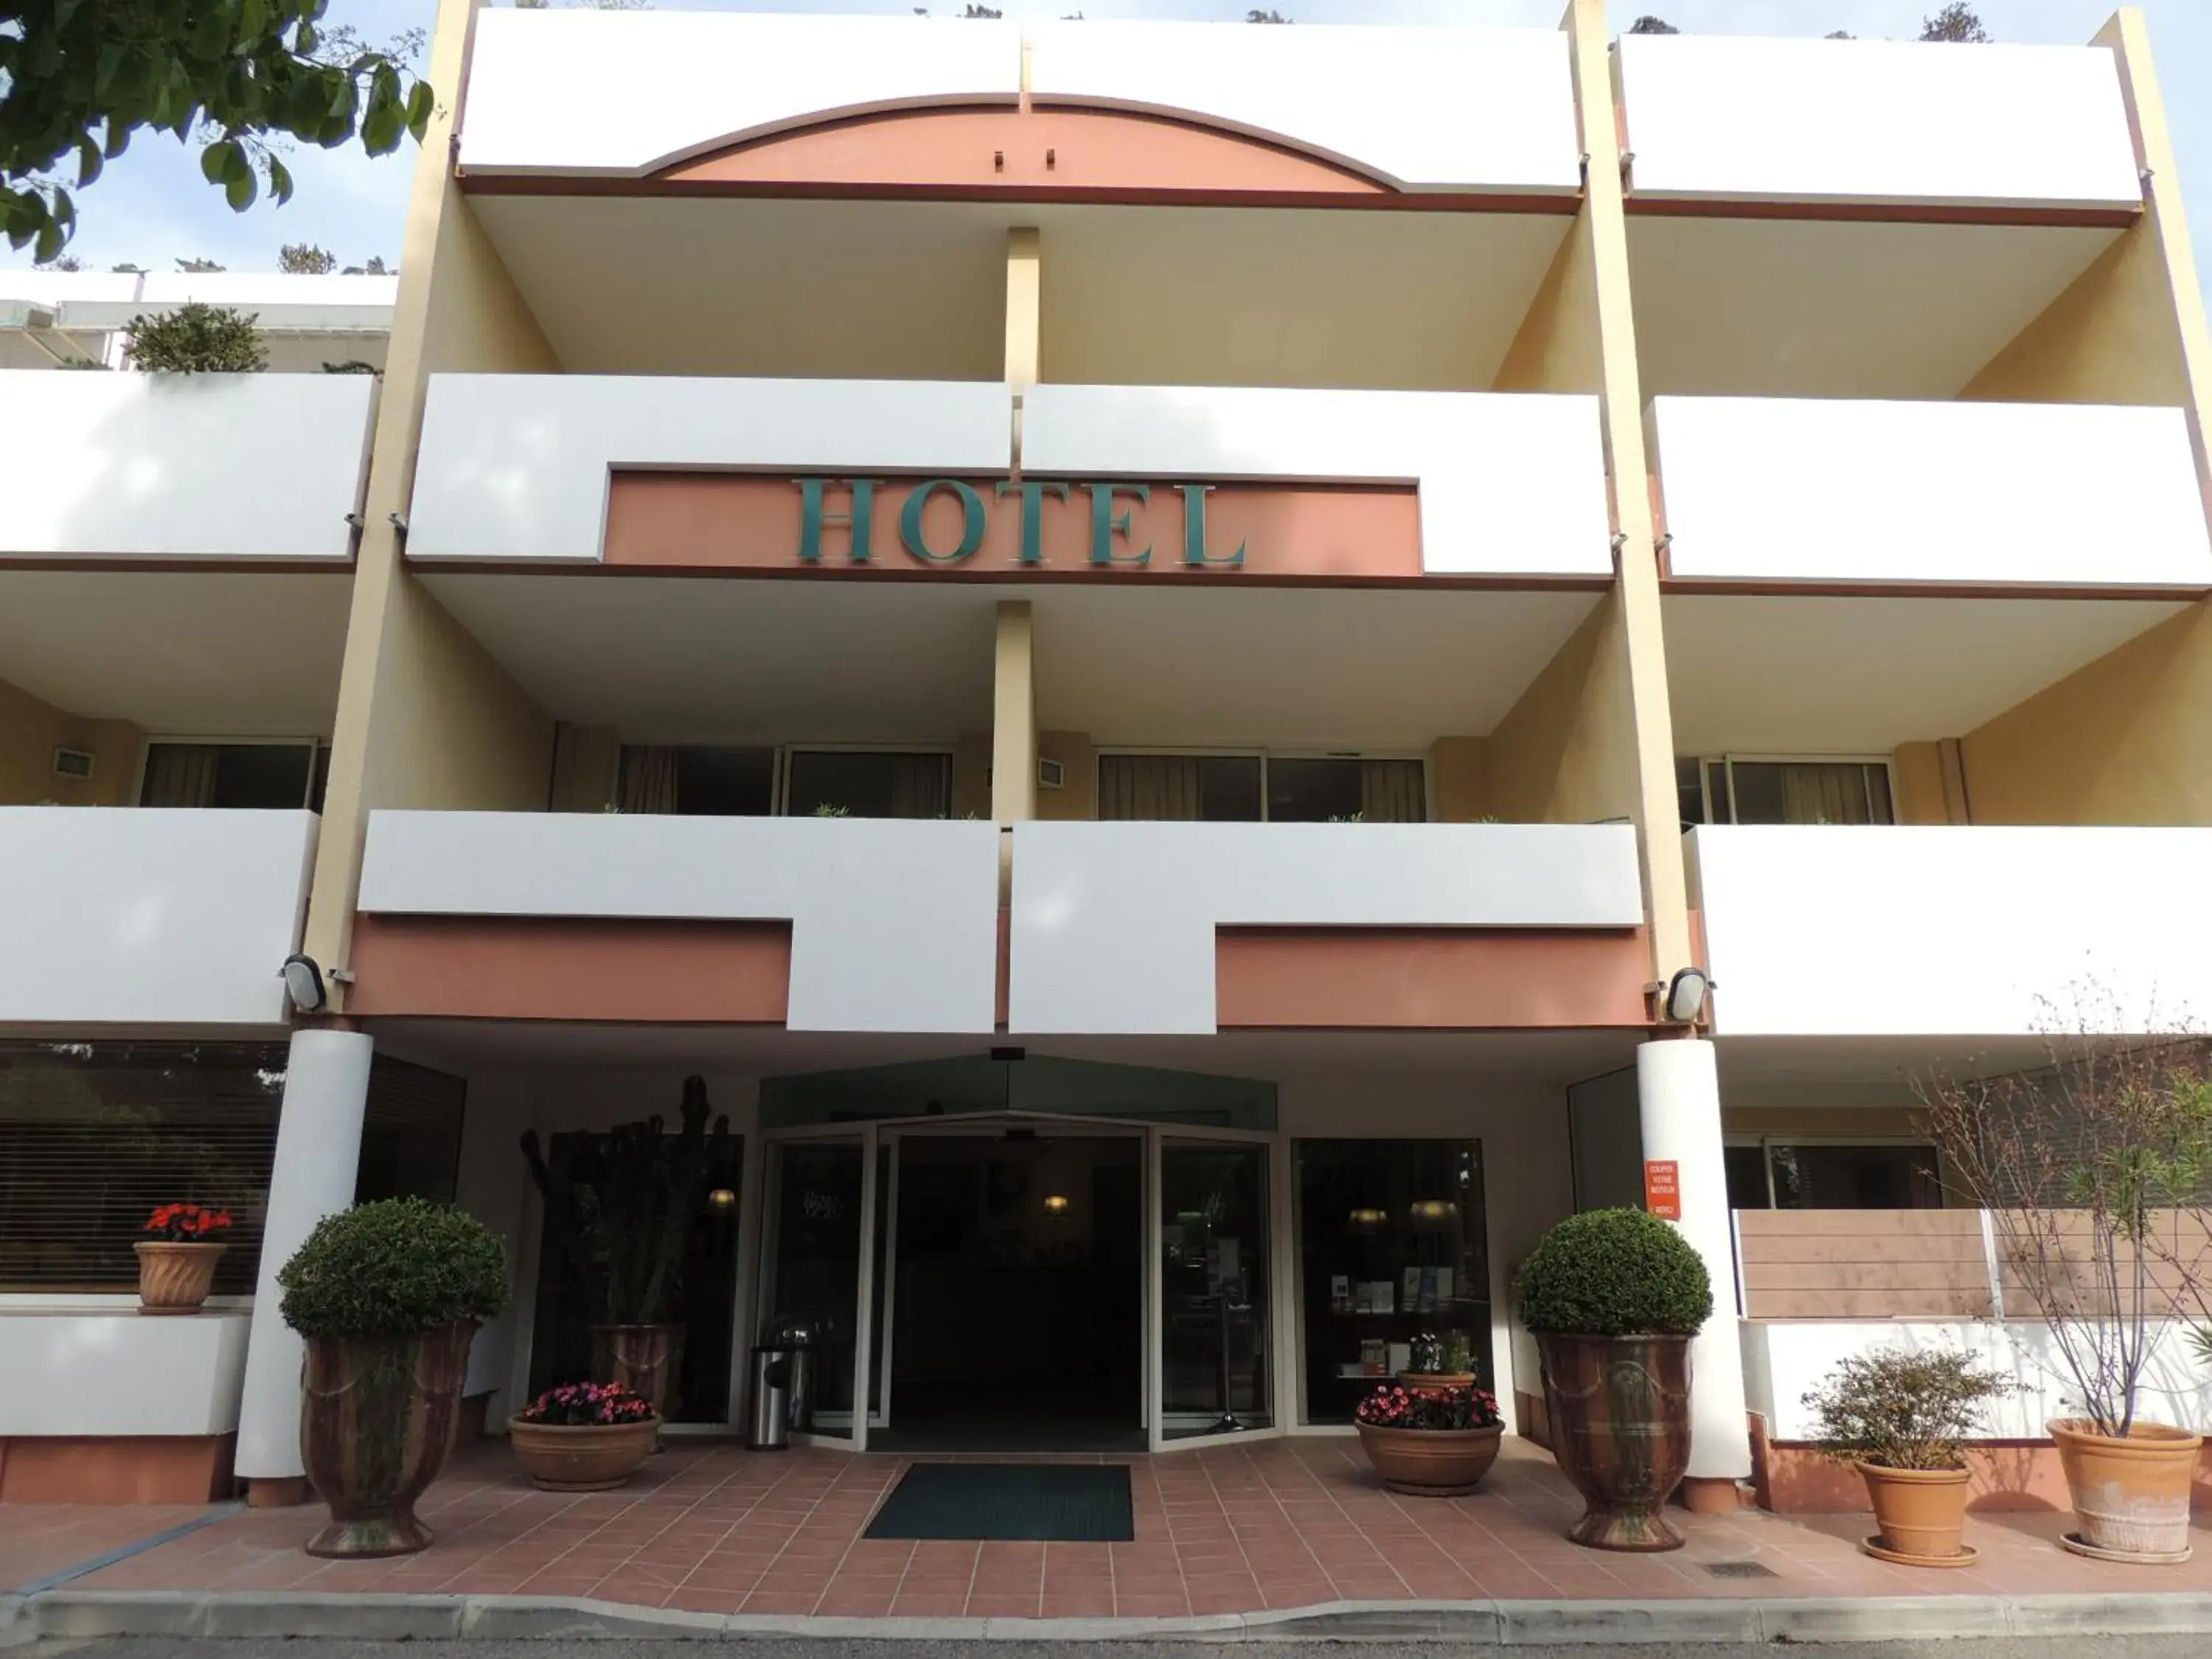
(388, 1295)
(1612, 1298)
(1430, 1443)
(1440, 1362)
(177, 1257)
(583, 1436)
(1898, 1419)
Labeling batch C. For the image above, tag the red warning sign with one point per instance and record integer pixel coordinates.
(1662, 1188)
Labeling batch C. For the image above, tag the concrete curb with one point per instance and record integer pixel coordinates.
(82, 1613)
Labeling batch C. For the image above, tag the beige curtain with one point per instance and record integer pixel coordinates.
(1390, 791)
(1825, 794)
(179, 774)
(1148, 786)
(921, 785)
(648, 778)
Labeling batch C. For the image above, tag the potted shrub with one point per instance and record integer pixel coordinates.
(2092, 1170)
(197, 339)
(388, 1295)
(1430, 1443)
(177, 1257)
(1612, 1298)
(1898, 1418)
(583, 1436)
(621, 1208)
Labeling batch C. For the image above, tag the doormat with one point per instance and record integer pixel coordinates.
(1030, 1502)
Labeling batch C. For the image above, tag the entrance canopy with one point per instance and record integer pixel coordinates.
(1013, 1085)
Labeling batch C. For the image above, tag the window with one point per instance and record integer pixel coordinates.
(286, 775)
(697, 781)
(865, 784)
(1812, 1175)
(1251, 789)
(1729, 790)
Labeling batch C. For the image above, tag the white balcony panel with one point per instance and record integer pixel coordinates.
(516, 465)
(894, 922)
(1426, 108)
(1113, 924)
(1876, 121)
(214, 465)
(1511, 483)
(122, 915)
(668, 84)
(1987, 930)
(1773, 489)
(101, 1370)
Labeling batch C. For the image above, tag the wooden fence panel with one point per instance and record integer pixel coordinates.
(1864, 1264)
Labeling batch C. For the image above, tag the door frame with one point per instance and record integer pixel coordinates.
(772, 1142)
(1276, 1145)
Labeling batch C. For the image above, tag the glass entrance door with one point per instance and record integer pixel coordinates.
(1212, 1291)
(816, 1279)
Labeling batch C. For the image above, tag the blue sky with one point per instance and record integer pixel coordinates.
(151, 207)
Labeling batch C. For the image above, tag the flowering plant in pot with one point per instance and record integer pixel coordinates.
(1612, 1298)
(1430, 1443)
(1898, 1419)
(388, 1295)
(177, 1255)
(583, 1436)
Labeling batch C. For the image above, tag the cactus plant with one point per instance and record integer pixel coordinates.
(621, 1207)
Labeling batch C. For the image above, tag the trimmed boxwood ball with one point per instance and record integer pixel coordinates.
(394, 1268)
(1614, 1272)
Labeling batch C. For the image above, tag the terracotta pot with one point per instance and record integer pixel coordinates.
(1619, 1413)
(590, 1457)
(2131, 1496)
(175, 1277)
(378, 1421)
(647, 1359)
(1920, 1514)
(1436, 1379)
(1431, 1462)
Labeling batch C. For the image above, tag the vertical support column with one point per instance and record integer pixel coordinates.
(317, 1163)
(1667, 903)
(1024, 303)
(1679, 1096)
(1013, 717)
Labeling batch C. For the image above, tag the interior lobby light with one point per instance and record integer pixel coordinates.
(721, 1198)
(1366, 1221)
(1056, 1204)
(1434, 1212)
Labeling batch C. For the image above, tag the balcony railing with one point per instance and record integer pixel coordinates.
(1763, 489)
(1990, 931)
(125, 465)
(150, 917)
(1726, 119)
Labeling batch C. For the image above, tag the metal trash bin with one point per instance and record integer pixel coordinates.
(774, 1370)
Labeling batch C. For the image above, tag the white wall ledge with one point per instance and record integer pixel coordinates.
(101, 1372)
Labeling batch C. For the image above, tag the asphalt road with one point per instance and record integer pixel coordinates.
(2130, 1647)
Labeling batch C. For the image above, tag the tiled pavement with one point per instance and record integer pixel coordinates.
(39, 1538)
(1232, 1528)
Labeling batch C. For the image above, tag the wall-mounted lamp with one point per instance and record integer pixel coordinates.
(1056, 1204)
(721, 1198)
(1684, 998)
(303, 982)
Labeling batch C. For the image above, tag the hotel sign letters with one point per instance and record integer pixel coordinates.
(946, 522)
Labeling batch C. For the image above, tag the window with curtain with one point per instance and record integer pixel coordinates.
(1246, 788)
(697, 781)
(232, 774)
(1373, 791)
(868, 784)
(1783, 792)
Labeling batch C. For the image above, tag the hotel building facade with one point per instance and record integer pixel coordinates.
(1148, 647)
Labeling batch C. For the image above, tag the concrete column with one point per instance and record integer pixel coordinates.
(317, 1163)
(1013, 717)
(1678, 1089)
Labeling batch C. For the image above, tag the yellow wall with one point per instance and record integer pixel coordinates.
(1566, 752)
(1459, 780)
(1557, 347)
(2110, 338)
(427, 717)
(971, 776)
(1915, 772)
(1078, 799)
(586, 767)
(30, 731)
(2127, 739)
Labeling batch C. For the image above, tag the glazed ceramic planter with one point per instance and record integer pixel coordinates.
(1431, 1462)
(377, 1423)
(1919, 1514)
(174, 1277)
(2131, 1496)
(644, 1358)
(586, 1457)
(1619, 1411)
